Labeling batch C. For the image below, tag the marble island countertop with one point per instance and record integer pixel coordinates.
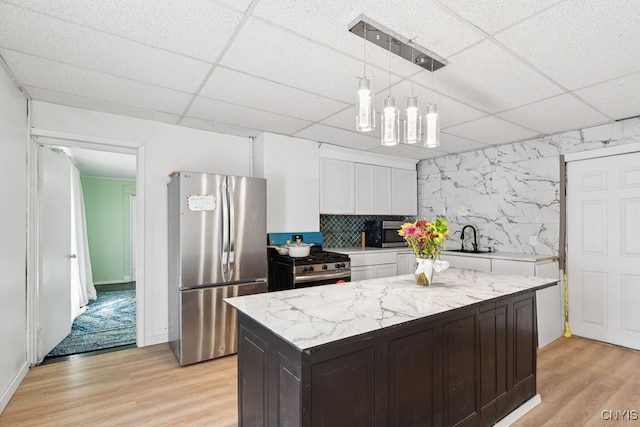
(512, 256)
(309, 317)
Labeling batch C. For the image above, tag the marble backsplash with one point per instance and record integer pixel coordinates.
(510, 192)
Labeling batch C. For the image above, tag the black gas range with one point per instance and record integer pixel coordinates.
(318, 268)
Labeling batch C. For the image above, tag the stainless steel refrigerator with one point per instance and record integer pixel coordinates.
(217, 250)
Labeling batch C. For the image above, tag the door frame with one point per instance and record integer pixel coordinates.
(48, 137)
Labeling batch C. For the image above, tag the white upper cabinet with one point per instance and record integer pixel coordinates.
(336, 187)
(404, 193)
(361, 183)
(372, 189)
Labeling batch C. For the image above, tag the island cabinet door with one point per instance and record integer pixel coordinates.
(521, 370)
(460, 370)
(343, 391)
(493, 361)
(414, 382)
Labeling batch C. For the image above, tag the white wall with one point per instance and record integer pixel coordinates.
(291, 168)
(165, 148)
(13, 238)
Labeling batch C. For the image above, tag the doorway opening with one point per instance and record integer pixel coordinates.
(103, 208)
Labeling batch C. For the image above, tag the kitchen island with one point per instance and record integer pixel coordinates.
(388, 352)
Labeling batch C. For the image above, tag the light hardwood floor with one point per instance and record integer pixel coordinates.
(577, 379)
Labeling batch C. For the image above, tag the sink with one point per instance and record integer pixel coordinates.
(469, 251)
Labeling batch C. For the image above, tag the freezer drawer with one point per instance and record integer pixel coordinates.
(208, 327)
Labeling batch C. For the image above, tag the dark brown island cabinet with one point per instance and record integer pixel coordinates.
(470, 366)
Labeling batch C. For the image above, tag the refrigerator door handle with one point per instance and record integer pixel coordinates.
(224, 254)
(232, 233)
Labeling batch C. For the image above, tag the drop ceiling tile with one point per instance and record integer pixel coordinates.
(51, 38)
(346, 119)
(490, 79)
(493, 15)
(581, 42)
(491, 130)
(99, 105)
(417, 152)
(303, 64)
(72, 80)
(219, 127)
(341, 137)
(239, 88)
(554, 115)
(197, 28)
(618, 98)
(455, 144)
(235, 115)
(328, 21)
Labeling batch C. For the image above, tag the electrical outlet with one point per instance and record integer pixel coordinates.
(533, 240)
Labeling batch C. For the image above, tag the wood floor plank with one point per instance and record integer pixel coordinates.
(577, 379)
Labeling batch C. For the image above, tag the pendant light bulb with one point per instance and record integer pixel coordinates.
(366, 118)
(432, 135)
(413, 124)
(390, 122)
(366, 111)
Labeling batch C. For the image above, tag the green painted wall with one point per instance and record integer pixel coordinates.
(106, 203)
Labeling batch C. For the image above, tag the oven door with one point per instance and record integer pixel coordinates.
(322, 279)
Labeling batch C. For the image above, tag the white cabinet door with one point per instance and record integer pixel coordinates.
(386, 270)
(336, 187)
(406, 263)
(404, 196)
(372, 189)
(472, 263)
(364, 189)
(382, 190)
(363, 273)
(513, 267)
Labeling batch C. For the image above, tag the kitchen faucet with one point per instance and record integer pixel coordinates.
(475, 239)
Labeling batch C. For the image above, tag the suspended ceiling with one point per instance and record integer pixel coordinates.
(517, 69)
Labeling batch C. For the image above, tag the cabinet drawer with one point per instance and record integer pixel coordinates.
(373, 258)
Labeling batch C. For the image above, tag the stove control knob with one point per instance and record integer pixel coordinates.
(324, 267)
(337, 265)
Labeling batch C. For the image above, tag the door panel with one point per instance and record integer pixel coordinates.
(603, 248)
(54, 309)
(248, 228)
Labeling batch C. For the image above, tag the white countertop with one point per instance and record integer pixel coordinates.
(309, 317)
(511, 256)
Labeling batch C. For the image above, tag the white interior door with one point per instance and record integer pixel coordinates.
(54, 288)
(603, 248)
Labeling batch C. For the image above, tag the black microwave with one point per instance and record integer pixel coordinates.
(383, 234)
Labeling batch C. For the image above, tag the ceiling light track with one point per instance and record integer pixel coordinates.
(379, 35)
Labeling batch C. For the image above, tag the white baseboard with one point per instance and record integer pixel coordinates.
(13, 386)
(520, 411)
(155, 339)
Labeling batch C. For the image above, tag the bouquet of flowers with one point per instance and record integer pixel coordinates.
(426, 239)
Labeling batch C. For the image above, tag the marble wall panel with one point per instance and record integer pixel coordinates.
(528, 175)
(467, 161)
(523, 198)
(429, 185)
(467, 182)
(529, 207)
(430, 208)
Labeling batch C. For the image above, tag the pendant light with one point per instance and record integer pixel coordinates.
(390, 116)
(432, 134)
(413, 124)
(366, 118)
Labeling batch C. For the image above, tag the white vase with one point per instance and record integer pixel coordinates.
(424, 271)
(425, 268)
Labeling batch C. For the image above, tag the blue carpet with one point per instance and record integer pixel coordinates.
(110, 321)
